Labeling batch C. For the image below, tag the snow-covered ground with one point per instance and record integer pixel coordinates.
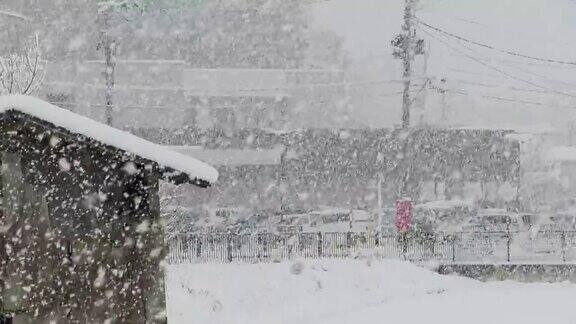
(355, 291)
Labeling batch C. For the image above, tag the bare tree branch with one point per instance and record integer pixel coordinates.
(22, 72)
(33, 68)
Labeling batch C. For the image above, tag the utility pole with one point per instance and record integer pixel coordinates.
(442, 90)
(425, 86)
(406, 47)
(409, 34)
(109, 45)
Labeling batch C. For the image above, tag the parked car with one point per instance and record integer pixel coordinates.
(443, 216)
(337, 220)
(329, 220)
(555, 222)
(363, 221)
(292, 223)
(225, 218)
(500, 219)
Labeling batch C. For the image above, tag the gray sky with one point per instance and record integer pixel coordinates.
(530, 92)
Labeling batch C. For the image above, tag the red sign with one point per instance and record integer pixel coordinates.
(404, 215)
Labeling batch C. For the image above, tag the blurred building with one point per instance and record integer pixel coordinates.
(172, 94)
(316, 169)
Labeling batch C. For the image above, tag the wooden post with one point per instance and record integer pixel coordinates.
(265, 246)
(349, 243)
(320, 243)
(563, 243)
(109, 46)
(258, 245)
(239, 247)
(229, 248)
(404, 238)
(508, 242)
(198, 247)
(453, 248)
(155, 296)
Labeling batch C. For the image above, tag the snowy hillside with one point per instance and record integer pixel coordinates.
(355, 291)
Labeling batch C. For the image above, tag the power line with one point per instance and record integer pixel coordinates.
(479, 61)
(484, 75)
(499, 98)
(13, 15)
(535, 64)
(200, 92)
(514, 100)
(463, 81)
(565, 83)
(64, 104)
(426, 83)
(482, 62)
(493, 76)
(493, 47)
(543, 77)
(393, 94)
(512, 62)
(177, 107)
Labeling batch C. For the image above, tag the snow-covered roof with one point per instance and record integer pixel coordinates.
(74, 123)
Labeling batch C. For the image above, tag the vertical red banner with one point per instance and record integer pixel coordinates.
(404, 215)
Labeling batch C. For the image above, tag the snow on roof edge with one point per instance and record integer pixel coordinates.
(82, 125)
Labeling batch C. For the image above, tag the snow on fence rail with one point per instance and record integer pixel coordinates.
(465, 247)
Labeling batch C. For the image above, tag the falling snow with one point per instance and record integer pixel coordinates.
(273, 161)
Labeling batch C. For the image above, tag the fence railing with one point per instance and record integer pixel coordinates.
(463, 247)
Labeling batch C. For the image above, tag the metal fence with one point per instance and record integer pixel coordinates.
(464, 247)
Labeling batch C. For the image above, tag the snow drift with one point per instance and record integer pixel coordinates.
(355, 291)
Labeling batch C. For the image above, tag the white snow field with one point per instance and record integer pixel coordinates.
(356, 291)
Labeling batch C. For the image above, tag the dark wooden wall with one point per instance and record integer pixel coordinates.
(82, 222)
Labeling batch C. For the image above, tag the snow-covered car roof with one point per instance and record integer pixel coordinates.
(77, 124)
(445, 204)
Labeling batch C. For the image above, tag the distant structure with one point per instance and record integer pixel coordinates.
(171, 93)
(556, 180)
(314, 169)
(81, 234)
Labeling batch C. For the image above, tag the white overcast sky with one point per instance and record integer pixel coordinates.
(543, 28)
